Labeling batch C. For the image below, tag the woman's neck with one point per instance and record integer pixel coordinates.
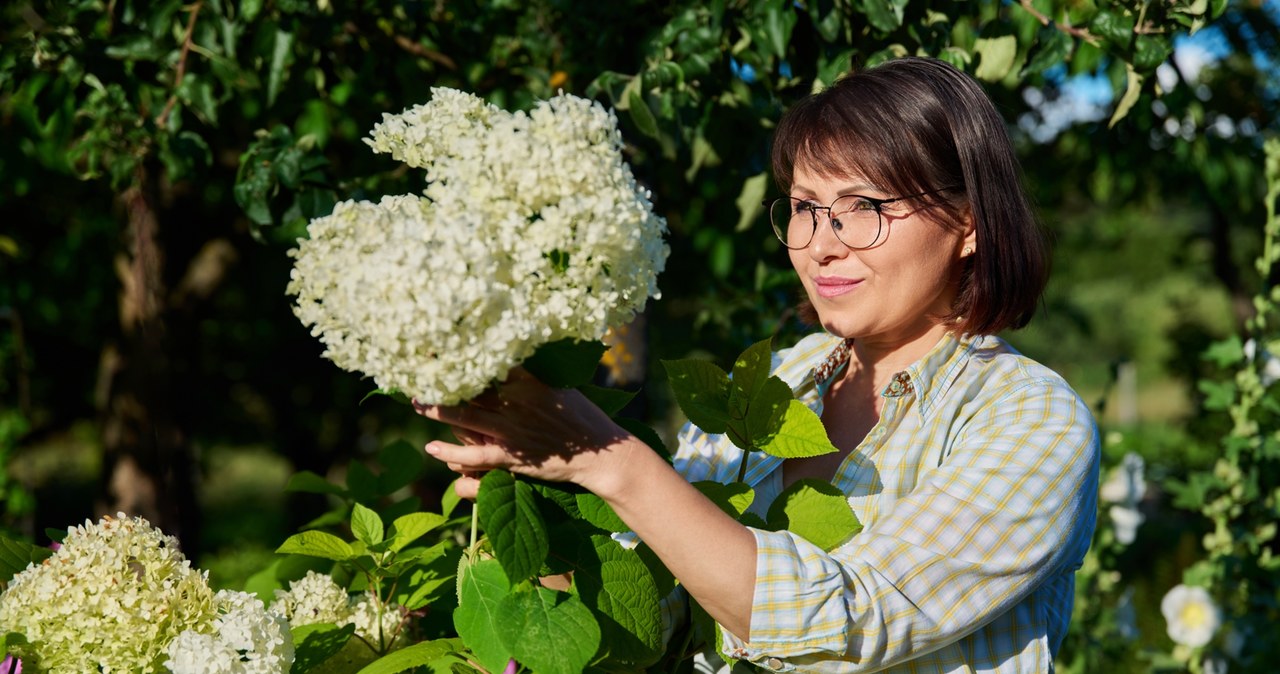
(877, 360)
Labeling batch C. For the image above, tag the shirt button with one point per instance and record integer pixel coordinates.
(774, 664)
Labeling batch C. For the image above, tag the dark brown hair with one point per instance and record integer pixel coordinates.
(912, 125)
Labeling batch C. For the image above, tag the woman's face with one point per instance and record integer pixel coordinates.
(891, 293)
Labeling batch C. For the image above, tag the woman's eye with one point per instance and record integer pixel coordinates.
(803, 206)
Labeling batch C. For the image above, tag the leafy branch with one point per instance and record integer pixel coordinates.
(181, 70)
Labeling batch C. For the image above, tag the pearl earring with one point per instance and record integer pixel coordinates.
(967, 251)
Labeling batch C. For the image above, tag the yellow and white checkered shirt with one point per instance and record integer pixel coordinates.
(977, 489)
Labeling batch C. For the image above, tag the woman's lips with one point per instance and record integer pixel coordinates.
(832, 286)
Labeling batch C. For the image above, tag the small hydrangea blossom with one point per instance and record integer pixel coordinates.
(315, 598)
(110, 599)
(1192, 616)
(532, 229)
(245, 638)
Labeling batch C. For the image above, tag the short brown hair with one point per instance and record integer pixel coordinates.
(911, 125)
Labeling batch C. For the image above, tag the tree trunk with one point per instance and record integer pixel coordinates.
(147, 466)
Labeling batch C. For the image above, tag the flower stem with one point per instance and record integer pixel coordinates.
(742, 467)
(475, 518)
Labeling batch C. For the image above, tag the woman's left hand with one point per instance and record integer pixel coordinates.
(530, 429)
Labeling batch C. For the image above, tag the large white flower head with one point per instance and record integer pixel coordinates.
(110, 599)
(1193, 617)
(531, 229)
(244, 638)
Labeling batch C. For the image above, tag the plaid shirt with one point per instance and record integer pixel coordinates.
(977, 489)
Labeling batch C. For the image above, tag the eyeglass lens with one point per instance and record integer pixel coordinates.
(855, 220)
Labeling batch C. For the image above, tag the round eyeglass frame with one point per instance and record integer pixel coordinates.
(876, 204)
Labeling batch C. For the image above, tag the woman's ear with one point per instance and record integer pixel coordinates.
(969, 243)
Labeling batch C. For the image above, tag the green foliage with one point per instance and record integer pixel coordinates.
(16, 555)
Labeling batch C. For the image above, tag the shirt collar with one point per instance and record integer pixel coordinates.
(926, 378)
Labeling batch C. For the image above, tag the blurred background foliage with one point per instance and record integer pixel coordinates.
(160, 158)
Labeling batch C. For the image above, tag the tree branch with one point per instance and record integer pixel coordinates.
(182, 65)
(1079, 33)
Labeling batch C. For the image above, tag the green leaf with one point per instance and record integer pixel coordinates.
(702, 391)
(779, 21)
(548, 632)
(317, 544)
(309, 482)
(609, 400)
(389, 392)
(817, 511)
(513, 524)
(1226, 352)
(749, 201)
(317, 642)
(423, 582)
(361, 482)
(249, 10)
(1150, 51)
(282, 46)
(16, 555)
(449, 500)
(566, 363)
(884, 14)
(1114, 27)
(402, 463)
(593, 509)
(752, 368)
(481, 588)
(366, 525)
(801, 434)
(733, 498)
(1132, 91)
(641, 115)
(417, 655)
(409, 528)
(996, 57)
(1053, 48)
(617, 585)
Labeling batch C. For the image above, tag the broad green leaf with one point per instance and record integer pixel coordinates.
(996, 57)
(817, 511)
(617, 584)
(1132, 91)
(449, 500)
(1225, 353)
(415, 655)
(752, 368)
(609, 400)
(884, 14)
(402, 463)
(481, 590)
(513, 524)
(366, 525)
(779, 21)
(733, 498)
(548, 632)
(1053, 47)
(280, 51)
(801, 434)
(566, 363)
(702, 391)
(1113, 26)
(767, 413)
(409, 528)
(593, 509)
(749, 201)
(317, 544)
(16, 555)
(559, 493)
(428, 578)
(317, 642)
(641, 115)
(307, 481)
(1149, 51)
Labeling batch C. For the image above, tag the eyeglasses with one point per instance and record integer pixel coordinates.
(855, 219)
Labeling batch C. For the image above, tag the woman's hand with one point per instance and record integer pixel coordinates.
(530, 429)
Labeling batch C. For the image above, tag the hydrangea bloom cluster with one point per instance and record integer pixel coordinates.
(110, 599)
(245, 638)
(531, 229)
(315, 598)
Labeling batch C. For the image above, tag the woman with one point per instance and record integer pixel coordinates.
(972, 468)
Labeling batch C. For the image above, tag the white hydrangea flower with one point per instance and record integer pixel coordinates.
(246, 638)
(315, 598)
(1125, 488)
(110, 599)
(1192, 616)
(531, 229)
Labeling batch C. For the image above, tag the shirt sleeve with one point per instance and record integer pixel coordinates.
(1010, 506)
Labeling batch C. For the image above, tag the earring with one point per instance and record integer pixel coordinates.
(966, 252)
